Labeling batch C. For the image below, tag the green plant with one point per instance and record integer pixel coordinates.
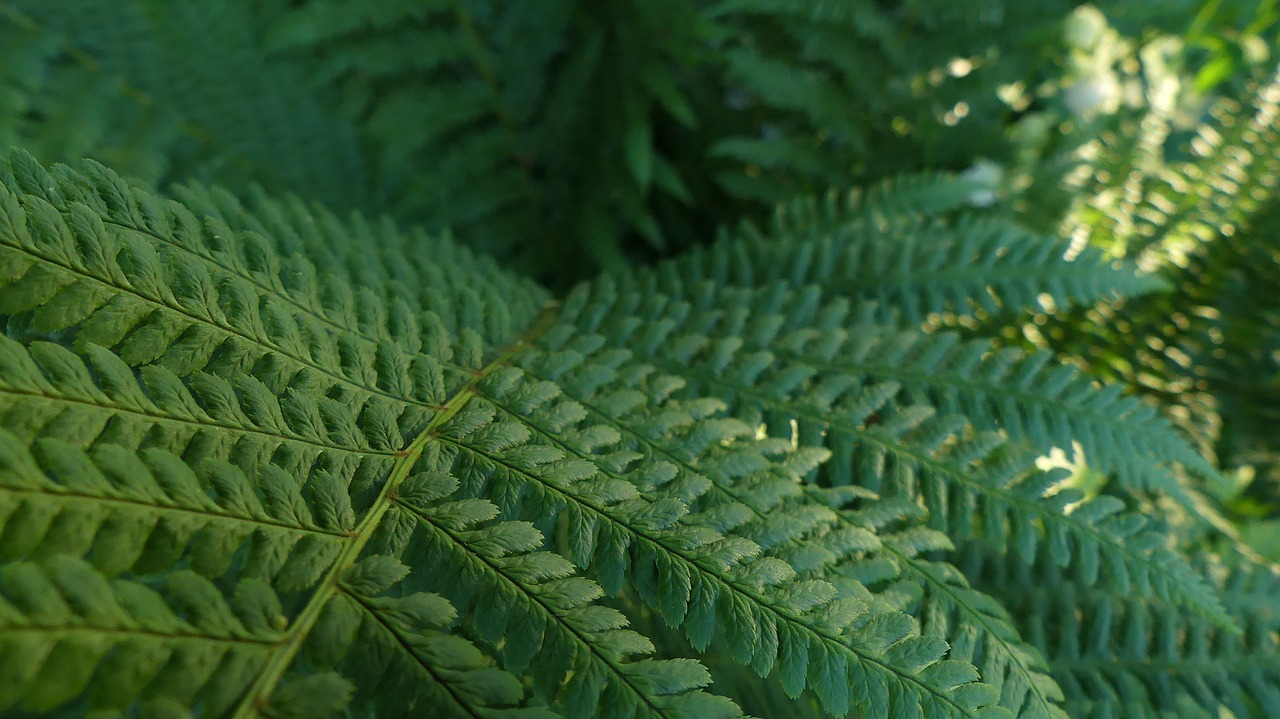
(1185, 186)
(263, 456)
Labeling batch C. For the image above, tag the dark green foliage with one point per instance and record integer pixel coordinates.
(160, 51)
(1206, 220)
(1117, 656)
(819, 117)
(506, 165)
(288, 455)
(59, 105)
(687, 115)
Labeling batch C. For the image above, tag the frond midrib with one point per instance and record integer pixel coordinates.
(273, 671)
(139, 507)
(933, 465)
(583, 642)
(409, 650)
(797, 622)
(159, 417)
(227, 331)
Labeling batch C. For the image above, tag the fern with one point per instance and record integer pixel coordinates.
(490, 78)
(190, 116)
(1116, 656)
(327, 445)
(355, 454)
(897, 243)
(61, 107)
(906, 451)
(1201, 217)
(932, 100)
(262, 459)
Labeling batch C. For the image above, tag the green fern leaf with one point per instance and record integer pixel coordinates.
(245, 118)
(301, 471)
(888, 244)
(60, 107)
(908, 450)
(261, 460)
(1113, 653)
(312, 452)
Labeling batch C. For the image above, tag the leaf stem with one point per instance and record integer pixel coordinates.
(259, 693)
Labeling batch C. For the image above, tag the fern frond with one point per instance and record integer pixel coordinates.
(151, 282)
(976, 625)
(925, 76)
(1031, 397)
(109, 266)
(799, 627)
(508, 163)
(778, 514)
(965, 267)
(921, 196)
(74, 243)
(907, 451)
(1166, 208)
(543, 619)
(139, 514)
(80, 633)
(61, 108)
(145, 514)
(981, 631)
(48, 391)
(430, 667)
(396, 63)
(407, 269)
(287, 490)
(1115, 655)
(267, 458)
(838, 348)
(254, 114)
(68, 631)
(1200, 209)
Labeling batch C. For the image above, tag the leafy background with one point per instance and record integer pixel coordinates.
(568, 137)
